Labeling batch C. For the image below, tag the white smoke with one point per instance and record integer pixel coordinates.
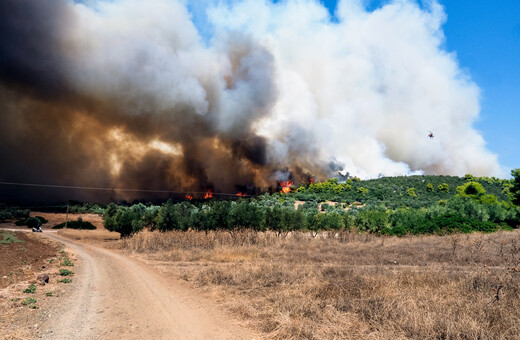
(363, 90)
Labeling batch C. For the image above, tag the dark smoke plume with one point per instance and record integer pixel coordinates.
(126, 94)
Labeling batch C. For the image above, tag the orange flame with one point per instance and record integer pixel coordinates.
(286, 186)
(209, 194)
(189, 197)
(311, 180)
(241, 194)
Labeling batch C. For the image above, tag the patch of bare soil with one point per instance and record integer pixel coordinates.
(23, 301)
(21, 260)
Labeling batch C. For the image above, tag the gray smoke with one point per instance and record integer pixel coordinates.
(127, 93)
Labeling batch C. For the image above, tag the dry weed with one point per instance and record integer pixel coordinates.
(349, 285)
(95, 235)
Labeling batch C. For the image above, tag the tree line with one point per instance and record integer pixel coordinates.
(392, 206)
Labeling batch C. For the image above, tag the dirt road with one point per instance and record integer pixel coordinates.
(115, 297)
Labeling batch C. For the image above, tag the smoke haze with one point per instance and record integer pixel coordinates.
(129, 94)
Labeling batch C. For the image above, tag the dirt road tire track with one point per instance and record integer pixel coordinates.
(116, 297)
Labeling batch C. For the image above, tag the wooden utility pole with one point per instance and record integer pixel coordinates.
(67, 216)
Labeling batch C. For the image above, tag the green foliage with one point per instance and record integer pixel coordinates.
(65, 280)
(129, 220)
(489, 199)
(284, 219)
(66, 272)
(330, 221)
(394, 206)
(219, 215)
(246, 214)
(31, 222)
(469, 178)
(411, 192)
(78, 224)
(374, 221)
(29, 301)
(31, 289)
(471, 189)
(515, 187)
(392, 191)
(67, 262)
(444, 187)
(363, 191)
(12, 212)
(84, 208)
(168, 217)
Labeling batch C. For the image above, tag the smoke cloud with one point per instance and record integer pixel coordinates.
(129, 94)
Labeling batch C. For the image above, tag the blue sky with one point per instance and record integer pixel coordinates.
(485, 35)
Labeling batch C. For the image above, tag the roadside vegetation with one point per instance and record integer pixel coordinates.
(9, 213)
(31, 222)
(385, 206)
(78, 224)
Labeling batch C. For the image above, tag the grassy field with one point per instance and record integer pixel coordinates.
(350, 285)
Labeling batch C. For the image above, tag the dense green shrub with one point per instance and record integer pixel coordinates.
(444, 187)
(84, 208)
(374, 221)
(471, 189)
(31, 222)
(168, 217)
(7, 213)
(78, 224)
(514, 189)
(124, 220)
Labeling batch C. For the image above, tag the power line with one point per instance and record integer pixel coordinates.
(113, 189)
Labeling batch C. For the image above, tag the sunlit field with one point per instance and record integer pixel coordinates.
(348, 285)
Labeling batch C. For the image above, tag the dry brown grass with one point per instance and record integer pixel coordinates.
(349, 285)
(94, 235)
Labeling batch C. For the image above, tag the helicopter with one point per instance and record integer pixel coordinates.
(431, 135)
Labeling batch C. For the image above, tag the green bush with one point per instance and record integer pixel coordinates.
(31, 289)
(444, 187)
(471, 189)
(247, 214)
(67, 263)
(78, 224)
(66, 272)
(411, 192)
(28, 301)
(374, 221)
(167, 217)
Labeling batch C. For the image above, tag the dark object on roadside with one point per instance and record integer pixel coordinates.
(42, 279)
